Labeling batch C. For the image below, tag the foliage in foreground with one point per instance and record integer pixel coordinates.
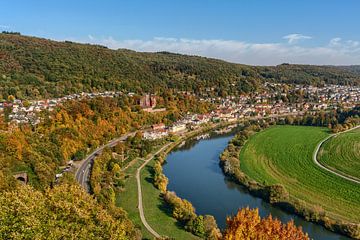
(64, 212)
(247, 224)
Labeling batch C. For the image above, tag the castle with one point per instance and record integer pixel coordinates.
(148, 101)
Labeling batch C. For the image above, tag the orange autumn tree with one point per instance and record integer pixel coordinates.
(247, 224)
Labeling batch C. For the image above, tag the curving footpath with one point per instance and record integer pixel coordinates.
(323, 166)
(140, 203)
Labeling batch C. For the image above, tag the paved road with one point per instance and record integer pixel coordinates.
(323, 166)
(140, 202)
(82, 174)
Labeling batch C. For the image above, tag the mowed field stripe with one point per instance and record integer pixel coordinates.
(341, 153)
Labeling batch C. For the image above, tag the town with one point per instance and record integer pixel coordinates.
(269, 102)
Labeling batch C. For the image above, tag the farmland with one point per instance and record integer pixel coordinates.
(342, 153)
(283, 155)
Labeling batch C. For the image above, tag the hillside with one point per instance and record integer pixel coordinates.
(352, 68)
(36, 68)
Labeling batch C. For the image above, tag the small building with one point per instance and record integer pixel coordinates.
(159, 126)
(177, 128)
(152, 135)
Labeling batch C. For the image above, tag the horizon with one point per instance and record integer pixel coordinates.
(266, 34)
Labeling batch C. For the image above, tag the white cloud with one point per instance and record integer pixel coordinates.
(349, 44)
(4, 27)
(336, 52)
(295, 37)
(335, 42)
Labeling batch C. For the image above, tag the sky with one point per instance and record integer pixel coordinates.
(256, 32)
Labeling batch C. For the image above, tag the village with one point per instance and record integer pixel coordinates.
(230, 109)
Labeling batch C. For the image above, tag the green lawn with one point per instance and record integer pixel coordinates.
(342, 153)
(283, 154)
(155, 213)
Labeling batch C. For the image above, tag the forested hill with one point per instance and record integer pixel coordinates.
(36, 68)
(352, 68)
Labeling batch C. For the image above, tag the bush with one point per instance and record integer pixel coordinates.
(278, 193)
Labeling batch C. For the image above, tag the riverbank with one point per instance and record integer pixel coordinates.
(153, 204)
(156, 210)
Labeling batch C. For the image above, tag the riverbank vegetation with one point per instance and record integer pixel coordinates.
(341, 153)
(276, 164)
(36, 68)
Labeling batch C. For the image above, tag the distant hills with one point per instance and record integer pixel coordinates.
(353, 68)
(33, 67)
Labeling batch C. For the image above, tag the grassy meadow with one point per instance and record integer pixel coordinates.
(283, 155)
(342, 153)
(156, 214)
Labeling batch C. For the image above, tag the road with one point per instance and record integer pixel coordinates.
(82, 174)
(140, 202)
(323, 166)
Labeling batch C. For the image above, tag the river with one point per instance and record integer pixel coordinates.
(194, 174)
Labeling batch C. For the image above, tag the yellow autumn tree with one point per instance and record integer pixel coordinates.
(247, 224)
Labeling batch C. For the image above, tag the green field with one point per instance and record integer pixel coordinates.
(155, 212)
(342, 153)
(283, 155)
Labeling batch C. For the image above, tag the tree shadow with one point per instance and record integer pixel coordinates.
(150, 179)
(165, 208)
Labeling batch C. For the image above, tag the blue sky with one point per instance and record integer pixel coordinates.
(255, 32)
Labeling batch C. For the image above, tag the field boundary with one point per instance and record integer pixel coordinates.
(326, 168)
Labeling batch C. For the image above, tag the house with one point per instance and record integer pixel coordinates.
(177, 128)
(159, 126)
(152, 135)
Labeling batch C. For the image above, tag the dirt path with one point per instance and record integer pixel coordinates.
(140, 202)
(326, 168)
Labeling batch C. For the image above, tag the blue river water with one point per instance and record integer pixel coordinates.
(194, 174)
